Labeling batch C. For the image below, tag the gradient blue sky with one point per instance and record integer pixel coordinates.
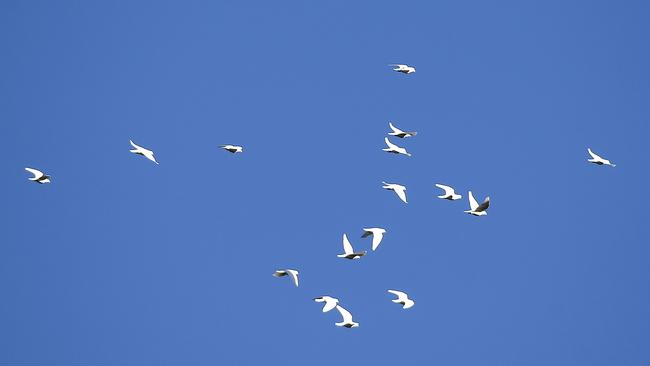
(123, 262)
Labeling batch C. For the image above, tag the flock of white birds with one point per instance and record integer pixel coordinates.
(377, 234)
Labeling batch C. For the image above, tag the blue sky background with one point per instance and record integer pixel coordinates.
(123, 262)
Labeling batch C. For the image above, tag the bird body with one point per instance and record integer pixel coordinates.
(399, 133)
(232, 148)
(348, 251)
(399, 189)
(402, 298)
(405, 69)
(475, 208)
(449, 194)
(377, 235)
(347, 318)
(288, 272)
(394, 149)
(139, 150)
(598, 160)
(39, 177)
(330, 302)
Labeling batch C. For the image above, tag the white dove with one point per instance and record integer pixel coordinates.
(450, 194)
(288, 272)
(349, 252)
(330, 302)
(142, 151)
(39, 177)
(406, 69)
(377, 234)
(475, 208)
(347, 318)
(402, 298)
(399, 133)
(232, 148)
(400, 190)
(598, 160)
(394, 149)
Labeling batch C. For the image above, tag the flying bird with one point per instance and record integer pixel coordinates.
(394, 149)
(449, 193)
(475, 208)
(596, 159)
(402, 298)
(288, 272)
(232, 148)
(349, 252)
(399, 133)
(405, 69)
(377, 235)
(400, 190)
(347, 318)
(39, 177)
(142, 151)
(330, 302)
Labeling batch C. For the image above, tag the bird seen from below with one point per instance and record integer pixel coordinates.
(377, 235)
(598, 160)
(330, 302)
(476, 209)
(399, 189)
(139, 150)
(288, 272)
(394, 149)
(402, 298)
(348, 251)
(404, 69)
(232, 148)
(399, 133)
(449, 194)
(39, 177)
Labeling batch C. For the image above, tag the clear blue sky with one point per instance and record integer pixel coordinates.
(123, 262)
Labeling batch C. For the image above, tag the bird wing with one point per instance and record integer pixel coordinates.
(149, 155)
(401, 192)
(472, 202)
(594, 155)
(294, 275)
(395, 129)
(37, 173)
(400, 295)
(401, 66)
(329, 305)
(390, 144)
(280, 273)
(347, 317)
(448, 189)
(484, 206)
(366, 233)
(377, 236)
(135, 145)
(347, 247)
